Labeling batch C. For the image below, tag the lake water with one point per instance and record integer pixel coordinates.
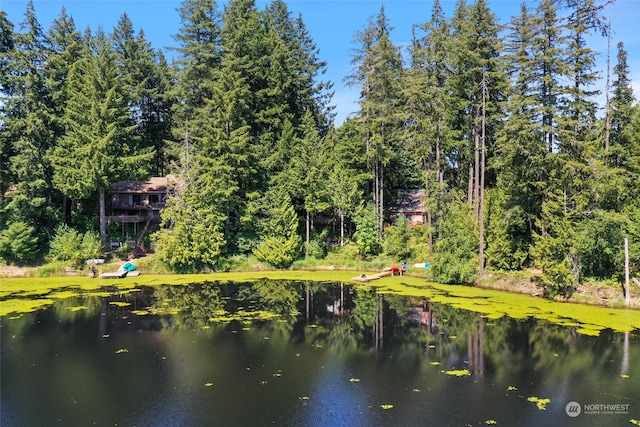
(304, 354)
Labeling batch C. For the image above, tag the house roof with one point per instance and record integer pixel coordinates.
(409, 201)
(156, 184)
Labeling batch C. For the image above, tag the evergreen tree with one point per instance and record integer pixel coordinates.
(7, 45)
(366, 234)
(426, 107)
(18, 243)
(344, 182)
(192, 234)
(198, 57)
(308, 162)
(548, 48)
(100, 146)
(301, 70)
(226, 148)
(553, 251)
(27, 127)
(455, 258)
(377, 69)
(146, 80)
(622, 109)
(521, 152)
(578, 106)
(64, 45)
(280, 242)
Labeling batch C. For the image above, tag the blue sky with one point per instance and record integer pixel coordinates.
(331, 24)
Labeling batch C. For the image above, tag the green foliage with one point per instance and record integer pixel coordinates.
(56, 268)
(69, 245)
(277, 251)
(455, 259)
(280, 244)
(599, 243)
(554, 252)
(366, 234)
(194, 241)
(508, 248)
(18, 243)
(397, 239)
(65, 245)
(317, 247)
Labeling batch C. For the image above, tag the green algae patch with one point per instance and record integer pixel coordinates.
(541, 403)
(458, 372)
(65, 294)
(23, 305)
(120, 303)
(492, 304)
(222, 316)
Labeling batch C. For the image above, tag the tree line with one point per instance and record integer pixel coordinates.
(499, 124)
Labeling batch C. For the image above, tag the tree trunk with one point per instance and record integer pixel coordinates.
(381, 208)
(341, 228)
(470, 185)
(476, 173)
(103, 221)
(482, 174)
(306, 250)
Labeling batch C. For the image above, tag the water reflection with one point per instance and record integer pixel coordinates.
(300, 353)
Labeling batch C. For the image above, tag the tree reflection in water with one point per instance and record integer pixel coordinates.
(268, 344)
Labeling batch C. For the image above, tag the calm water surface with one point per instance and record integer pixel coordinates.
(303, 354)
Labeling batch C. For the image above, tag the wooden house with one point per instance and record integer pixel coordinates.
(410, 203)
(139, 203)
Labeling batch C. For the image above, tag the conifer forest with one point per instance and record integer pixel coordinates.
(522, 161)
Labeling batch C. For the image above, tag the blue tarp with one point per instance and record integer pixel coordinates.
(128, 266)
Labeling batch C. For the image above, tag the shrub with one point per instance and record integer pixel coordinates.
(455, 259)
(366, 234)
(18, 243)
(73, 247)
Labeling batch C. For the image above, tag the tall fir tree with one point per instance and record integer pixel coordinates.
(100, 146)
(64, 45)
(147, 80)
(622, 109)
(27, 128)
(426, 107)
(377, 69)
(7, 45)
(521, 152)
(198, 56)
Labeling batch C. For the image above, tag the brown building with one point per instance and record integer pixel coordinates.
(410, 203)
(139, 203)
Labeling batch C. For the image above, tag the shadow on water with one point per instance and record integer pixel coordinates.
(302, 353)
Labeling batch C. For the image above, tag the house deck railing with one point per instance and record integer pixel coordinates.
(130, 218)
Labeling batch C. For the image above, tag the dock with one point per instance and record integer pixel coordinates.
(113, 274)
(369, 277)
